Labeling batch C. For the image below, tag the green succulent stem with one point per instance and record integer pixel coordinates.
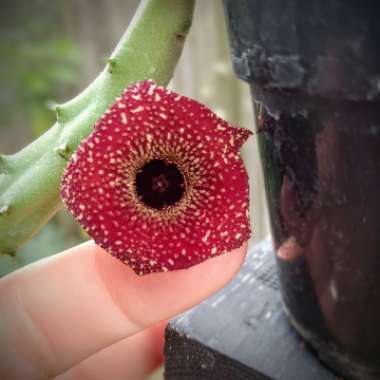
(30, 179)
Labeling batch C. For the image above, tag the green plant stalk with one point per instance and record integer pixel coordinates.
(30, 179)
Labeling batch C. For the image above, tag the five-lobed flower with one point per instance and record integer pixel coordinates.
(160, 183)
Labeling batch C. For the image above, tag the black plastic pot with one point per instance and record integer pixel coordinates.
(314, 71)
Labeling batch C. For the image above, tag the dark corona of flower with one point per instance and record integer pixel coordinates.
(160, 183)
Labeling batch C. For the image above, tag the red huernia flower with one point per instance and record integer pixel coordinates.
(160, 183)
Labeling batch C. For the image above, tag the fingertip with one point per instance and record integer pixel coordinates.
(64, 309)
(158, 296)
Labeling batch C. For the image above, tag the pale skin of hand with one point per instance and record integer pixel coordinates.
(84, 315)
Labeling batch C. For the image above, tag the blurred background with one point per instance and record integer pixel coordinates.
(51, 50)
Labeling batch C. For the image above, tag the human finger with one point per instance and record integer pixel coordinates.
(61, 310)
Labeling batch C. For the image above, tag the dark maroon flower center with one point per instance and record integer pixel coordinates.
(159, 184)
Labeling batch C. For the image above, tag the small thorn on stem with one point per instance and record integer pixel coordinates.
(58, 110)
(111, 65)
(64, 151)
(4, 210)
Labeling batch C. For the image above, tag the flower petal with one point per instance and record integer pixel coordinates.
(151, 128)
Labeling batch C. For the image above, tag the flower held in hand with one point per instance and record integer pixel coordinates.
(160, 183)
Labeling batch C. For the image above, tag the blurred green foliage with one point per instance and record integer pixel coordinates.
(39, 64)
(36, 74)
